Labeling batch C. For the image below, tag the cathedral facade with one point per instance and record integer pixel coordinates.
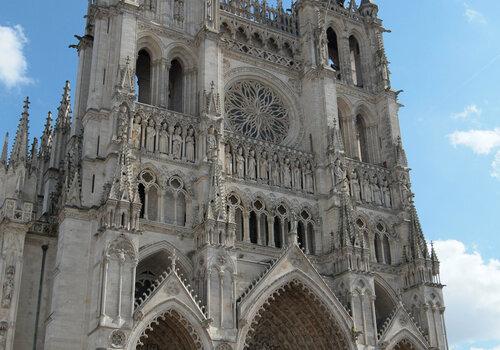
(229, 176)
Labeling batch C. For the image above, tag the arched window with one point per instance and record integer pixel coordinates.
(278, 242)
(301, 235)
(378, 248)
(361, 140)
(175, 205)
(387, 250)
(333, 49)
(149, 195)
(235, 202)
(355, 57)
(143, 74)
(311, 243)
(176, 86)
(253, 228)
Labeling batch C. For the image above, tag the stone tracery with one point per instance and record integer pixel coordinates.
(256, 111)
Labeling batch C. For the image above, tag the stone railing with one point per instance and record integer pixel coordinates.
(268, 164)
(346, 11)
(13, 212)
(258, 12)
(165, 133)
(262, 53)
(369, 184)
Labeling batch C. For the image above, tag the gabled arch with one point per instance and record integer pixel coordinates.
(183, 262)
(405, 335)
(293, 267)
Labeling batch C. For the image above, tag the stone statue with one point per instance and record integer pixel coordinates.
(340, 174)
(240, 164)
(190, 145)
(229, 160)
(263, 167)
(297, 175)
(386, 192)
(177, 143)
(136, 132)
(252, 166)
(287, 174)
(275, 170)
(354, 185)
(309, 178)
(377, 193)
(150, 136)
(123, 121)
(211, 143)
(8, 286)
(164, 139)
(367, 190)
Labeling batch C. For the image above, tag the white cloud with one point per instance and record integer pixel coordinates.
(474, 16)
(13, 64)
(495, 168)
(472, 296)
(469, 111)
(480, 141)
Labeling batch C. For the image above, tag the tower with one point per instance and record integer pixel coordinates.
(231, 176)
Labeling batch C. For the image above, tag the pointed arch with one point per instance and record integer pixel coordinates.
(385, 301)
(405, 336)
(305, 287)
(356, 61)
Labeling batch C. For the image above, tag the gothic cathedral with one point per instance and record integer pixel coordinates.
(230, 176)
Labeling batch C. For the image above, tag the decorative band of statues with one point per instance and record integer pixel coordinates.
(289, 171)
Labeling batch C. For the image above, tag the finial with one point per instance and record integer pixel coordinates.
(5, 149)
(173, 258)
(26, 106)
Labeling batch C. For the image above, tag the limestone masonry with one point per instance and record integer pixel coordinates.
(230, 176)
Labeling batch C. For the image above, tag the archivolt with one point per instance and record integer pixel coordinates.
(295, 318)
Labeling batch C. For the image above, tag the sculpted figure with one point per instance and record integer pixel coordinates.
(240, 164)
(354, 185)
(340, 175)
(297, 175)
(275, 171)
(164, 139)
(123, 121)
(309, 178)
(263, 167)
(229, 160)
(177, 143)
(8, 286)
(136, 132)
(150, 136)
(377, 193)
(211, 143)
(190, 149)
(252, 166)
(367, 190)
(287, 174)
(386, 193)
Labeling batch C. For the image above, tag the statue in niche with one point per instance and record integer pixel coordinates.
(150, 136)
(211, 143)
(190, 146)
(177, 143)
(287, 173)
(275, 170)
(406, 194)
(164, 139)
(386, 192)
(209, 10)
(377, 193)
(252, 165)
(297, 176)
(8, 286)
(354, 185)
(367, 190)
(4, 327)
(136, 132)
(321, 41)
(123, 122)
(309, 178)
(240, 164)
(340, 175)
(263, 167)
(229, 160)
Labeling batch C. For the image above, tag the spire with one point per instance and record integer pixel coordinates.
(5, 149)
(46, 139)
(418, 245)
(64, 110)
(20, 148)
(34, 151)
(217, 196)
(401, 159)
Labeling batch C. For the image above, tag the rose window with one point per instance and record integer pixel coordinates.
(255, 110)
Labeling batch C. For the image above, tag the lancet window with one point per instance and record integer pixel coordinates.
(143, 75)
(333, 49)
(382, 245)
(362, 140)
(305, 231)
(356, 65)
(168, 204)
(176, 86)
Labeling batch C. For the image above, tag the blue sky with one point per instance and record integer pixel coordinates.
(445, 55)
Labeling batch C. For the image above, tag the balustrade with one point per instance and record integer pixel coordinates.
(261, 13)
(12, 211)
(268, 164)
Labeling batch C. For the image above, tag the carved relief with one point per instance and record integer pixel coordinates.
(8, 286)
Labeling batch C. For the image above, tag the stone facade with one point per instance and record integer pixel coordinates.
(231, 176)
